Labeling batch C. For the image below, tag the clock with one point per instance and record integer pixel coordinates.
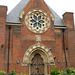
(37, 21)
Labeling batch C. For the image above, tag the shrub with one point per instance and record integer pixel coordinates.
(12, 73)
(62, 73)
(2, 73)
(17, 74)
(23, 74)
(55, 71)
(70, 71)
(14, 70)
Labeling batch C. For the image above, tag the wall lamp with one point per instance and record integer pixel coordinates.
(54, 57)
(18, 61)
(2, 46)
(50, 48)
(58, 61)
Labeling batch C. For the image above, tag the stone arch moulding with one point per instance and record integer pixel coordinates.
(42, 50)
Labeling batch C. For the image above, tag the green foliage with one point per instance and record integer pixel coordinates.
(14, 70)
(23, 74)
(70, 71)
(12, 73)
(2, 73)
(62, 73)
(17, 74)
(55, 71)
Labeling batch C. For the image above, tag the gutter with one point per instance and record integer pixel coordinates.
(60, 27)
(14, 24)
(63, 30)
(9, 27)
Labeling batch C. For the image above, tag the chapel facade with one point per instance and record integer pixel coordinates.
(34, 39)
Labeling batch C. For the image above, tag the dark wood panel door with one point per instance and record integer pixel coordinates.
(37, 66)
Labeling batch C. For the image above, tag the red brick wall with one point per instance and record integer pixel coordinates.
(69, 38)
(3, 13)
(25, 39)
(69, 20)
(20, 42)
(71, 48)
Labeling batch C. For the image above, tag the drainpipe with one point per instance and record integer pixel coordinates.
(64, 47)
(9, 27)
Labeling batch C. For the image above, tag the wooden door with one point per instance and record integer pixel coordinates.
(37, 66)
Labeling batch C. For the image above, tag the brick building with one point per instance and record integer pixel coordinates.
(34, 39)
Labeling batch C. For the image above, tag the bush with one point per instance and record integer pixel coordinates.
(55, 71)
(62, 73)
(2, 73)
(23, 74)
(12, 73)
(70, 71)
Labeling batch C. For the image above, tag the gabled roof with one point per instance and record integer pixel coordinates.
(13, 16)
(58, 20)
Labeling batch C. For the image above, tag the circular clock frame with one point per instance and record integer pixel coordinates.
(37, 21)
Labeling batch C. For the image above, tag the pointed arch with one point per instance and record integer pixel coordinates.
(42, 50)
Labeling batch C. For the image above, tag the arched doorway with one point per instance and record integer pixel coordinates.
(37, 65)
(45, 55)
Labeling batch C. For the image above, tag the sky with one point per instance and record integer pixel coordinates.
(59, 6)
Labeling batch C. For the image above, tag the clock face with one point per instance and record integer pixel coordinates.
(37, 21)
